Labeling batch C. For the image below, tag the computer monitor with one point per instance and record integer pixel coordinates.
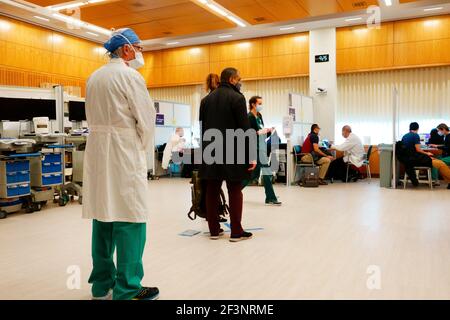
(424, 137)
(17, 109)
(77, 111)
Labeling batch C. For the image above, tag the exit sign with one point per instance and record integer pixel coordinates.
(322, 58)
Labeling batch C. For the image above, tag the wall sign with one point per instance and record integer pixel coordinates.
(322, 58)
(160, 119)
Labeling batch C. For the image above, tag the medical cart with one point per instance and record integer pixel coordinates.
(15, 179)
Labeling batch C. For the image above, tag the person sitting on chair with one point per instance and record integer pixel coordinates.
(316, 155)
(420, 158)
(353, 154)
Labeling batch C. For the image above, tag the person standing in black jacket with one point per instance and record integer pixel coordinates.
(257, 124)
(222, 111)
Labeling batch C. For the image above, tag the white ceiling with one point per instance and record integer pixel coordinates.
(27, 11)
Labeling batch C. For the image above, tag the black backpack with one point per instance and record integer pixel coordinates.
(198, 199)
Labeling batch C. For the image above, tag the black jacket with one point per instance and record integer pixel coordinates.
(224, 108)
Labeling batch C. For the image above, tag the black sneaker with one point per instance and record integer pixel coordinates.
(448, 187)
(273, 203)
(222, 220)
(147, 294)
(243, 236)
(221, 233)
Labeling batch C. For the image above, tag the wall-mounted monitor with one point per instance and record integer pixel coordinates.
(77, 111)
(17, 109)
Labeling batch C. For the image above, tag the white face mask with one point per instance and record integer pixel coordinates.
(441, 133)
(138, 61)
(259, 108)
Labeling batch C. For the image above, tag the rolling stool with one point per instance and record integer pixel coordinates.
(429, 180)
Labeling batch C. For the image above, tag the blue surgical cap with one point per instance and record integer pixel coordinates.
(119, 38)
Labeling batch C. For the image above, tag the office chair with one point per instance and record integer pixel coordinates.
(298, 160)
(366, 163)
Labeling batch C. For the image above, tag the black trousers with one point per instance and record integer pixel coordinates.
(338, 170)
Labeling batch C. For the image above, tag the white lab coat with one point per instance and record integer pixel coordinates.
(353, 150)
(121, 119)
(175, 144)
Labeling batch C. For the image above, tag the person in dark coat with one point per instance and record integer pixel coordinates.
(224, 109)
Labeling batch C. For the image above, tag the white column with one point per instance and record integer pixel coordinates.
(323, 75)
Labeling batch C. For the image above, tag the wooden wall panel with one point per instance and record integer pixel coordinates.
(354, 37)
(272, 57)
(400, 44)
(249, 68)
(286, 65)
(33, 55)
(365, 58)
(432, 28)
(422, 53)
(229, 51)
(286, 45)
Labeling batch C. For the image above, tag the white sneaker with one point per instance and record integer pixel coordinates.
(104, 298)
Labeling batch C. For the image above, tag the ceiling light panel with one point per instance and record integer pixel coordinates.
(216, 8)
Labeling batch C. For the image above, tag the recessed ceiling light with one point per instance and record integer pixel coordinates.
(226, 36)
(237, 21)
(172, 43)
(92, 34)
(353, 19)
(286, 28)
(215, 8)
(433, 9)
(42, 18)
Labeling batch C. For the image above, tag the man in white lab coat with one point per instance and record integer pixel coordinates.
(353, 153)
(121, 120)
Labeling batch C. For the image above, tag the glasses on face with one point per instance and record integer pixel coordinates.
(138, 48)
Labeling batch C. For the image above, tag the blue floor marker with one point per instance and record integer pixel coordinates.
(189, 233)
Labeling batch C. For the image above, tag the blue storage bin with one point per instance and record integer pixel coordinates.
(51, 167)
(11, 177)
(23, 190)
(49, 180)
(12, 191)
(52, 157)
(15, 166)
(23, 176)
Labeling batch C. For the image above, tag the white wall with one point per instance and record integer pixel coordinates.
(323, 75)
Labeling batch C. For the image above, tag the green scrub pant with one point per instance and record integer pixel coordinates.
(267, 181)
(435, 172)
(129, 239)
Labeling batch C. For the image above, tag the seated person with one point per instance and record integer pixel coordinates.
(419, 158)
(444, 132)
(435, 138)
(353, 153)
(175, 144)
(311, 146)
